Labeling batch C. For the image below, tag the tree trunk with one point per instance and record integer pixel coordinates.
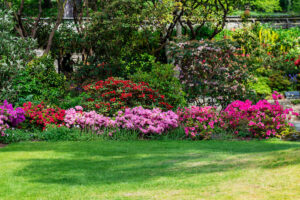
(60, 15)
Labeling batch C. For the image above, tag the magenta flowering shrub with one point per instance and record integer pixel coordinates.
(261, 120)
(10, 117)
(198, 122)
(88, 121)
(147, 121)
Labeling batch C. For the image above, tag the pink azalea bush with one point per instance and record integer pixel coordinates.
(10, 117)
(261, 120)
(88, 121)
(147, 121)
(198, 122)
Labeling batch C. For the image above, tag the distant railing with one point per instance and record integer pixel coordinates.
(283, 21)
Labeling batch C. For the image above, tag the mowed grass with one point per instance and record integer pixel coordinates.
(151, 170)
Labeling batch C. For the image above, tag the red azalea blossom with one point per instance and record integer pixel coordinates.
(126, 92)
(113, 100)
(39, 115)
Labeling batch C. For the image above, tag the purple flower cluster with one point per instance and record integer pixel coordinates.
(10, 117)
(90, 121)
(147, 121)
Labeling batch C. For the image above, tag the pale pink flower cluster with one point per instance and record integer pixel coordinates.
(147, 121)
(3, 124)
(90, 121)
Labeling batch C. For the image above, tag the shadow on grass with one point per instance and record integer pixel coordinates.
(111, 162)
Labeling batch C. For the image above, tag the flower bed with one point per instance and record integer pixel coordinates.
(240, 118)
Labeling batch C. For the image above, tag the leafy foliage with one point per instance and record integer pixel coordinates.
(15, 52)
(163, 78)
(40, 82)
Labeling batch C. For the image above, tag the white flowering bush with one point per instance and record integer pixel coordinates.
(212, 69)
(15, 52)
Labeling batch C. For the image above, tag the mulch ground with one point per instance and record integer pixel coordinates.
(2, 145)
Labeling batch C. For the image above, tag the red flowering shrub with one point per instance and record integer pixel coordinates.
(38, 116)
(114, 94)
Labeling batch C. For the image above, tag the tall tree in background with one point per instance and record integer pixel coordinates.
(266, 5)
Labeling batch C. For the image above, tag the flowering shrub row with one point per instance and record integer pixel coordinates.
(260, 120)
(10, 117)
(114, 94)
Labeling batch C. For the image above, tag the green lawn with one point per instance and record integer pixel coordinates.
(151, 170)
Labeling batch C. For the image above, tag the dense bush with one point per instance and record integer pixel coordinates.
(261, 120)
(142, 62)
(261, 86)
(39, 116)
(113, 94)
(163, 78)
(40, 82)
(212, 69)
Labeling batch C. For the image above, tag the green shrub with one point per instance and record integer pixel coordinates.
(60, 134)
(279, 83)
(163, 78)
(142, 62)
(70, 101)
(39, 82)
(295, 102)
(261, 86)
